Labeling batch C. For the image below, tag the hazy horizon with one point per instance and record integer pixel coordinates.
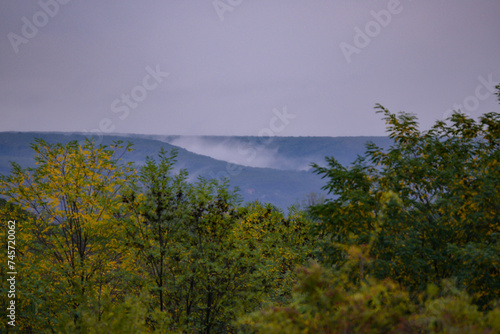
(250, 151)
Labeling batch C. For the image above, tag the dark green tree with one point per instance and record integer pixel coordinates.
(206, 258)
(431, 200)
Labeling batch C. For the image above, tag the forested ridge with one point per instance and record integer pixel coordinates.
(407, 243)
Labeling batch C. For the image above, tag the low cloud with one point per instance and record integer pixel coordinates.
(252, 152)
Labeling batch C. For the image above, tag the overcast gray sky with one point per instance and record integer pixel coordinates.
(243, 67)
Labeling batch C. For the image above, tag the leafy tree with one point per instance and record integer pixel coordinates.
(156, 221)
(179, 232)
(440, 217)
(207, 258)
(71, 250)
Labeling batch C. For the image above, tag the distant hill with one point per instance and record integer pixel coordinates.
(289, 180)
(290, 153)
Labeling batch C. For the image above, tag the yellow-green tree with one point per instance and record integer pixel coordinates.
(71, 240)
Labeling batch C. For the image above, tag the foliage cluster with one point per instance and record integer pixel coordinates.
(103, 247)
(326, 301)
